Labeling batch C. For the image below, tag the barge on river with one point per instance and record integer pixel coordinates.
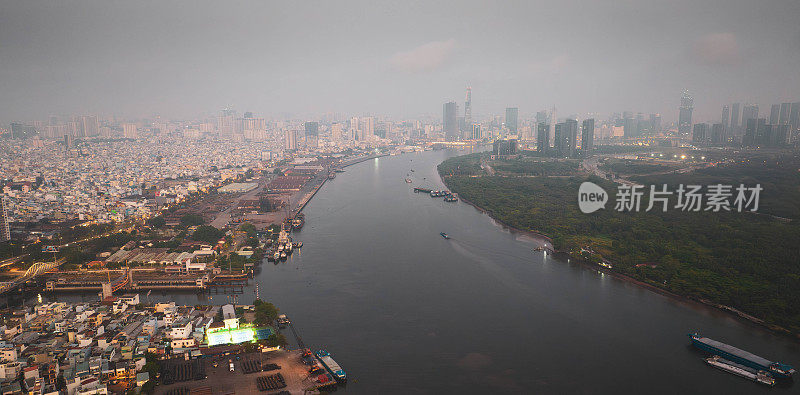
(741, 357)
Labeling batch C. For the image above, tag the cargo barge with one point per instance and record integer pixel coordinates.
(332, 367)
(733, 354)
(758, 376)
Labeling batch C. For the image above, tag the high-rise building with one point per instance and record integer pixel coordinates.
(629, 125)
(129, 131)
(785, 113)
(559, 143)
(655, 123)
(5, 230)
(726, 115)
(587, 137)
(543, 137)
(754, 129)
(226, 122)
(541, 117)
(735, 118)
(749, 111)
(685, 114)
(718, 134)
(450, 121)
(368, 129)
(774, 114)
(312, 134)
(477, 134)
(336, 132)
(794, 119)
(88, 126)
(700, 134)
(571, 137)
(22, 131)
(512, 119)
(291, 139)
(354, 126)
(468, 108)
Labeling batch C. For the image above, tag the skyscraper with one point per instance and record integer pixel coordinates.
(312, 134)
(726, 115)
(541, 117)
(655, 123)
(774, 114)
(88, 126)
(354, 128)
(749, 111)
(129, 131)
(5, 230)
(512, 117)
(291, 139)
(700, 135)
(718, 134)
(368, 129)
(225, 122)
(468, 108)
(629, 125)
(477, 134)
(543, 138)
(559, 143)
(685, 114)
(786, 109)
(794, 119)
(450, 121)
(735, 118)
(587, 137)
(571, 133)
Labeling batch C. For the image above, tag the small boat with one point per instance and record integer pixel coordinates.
(408, 180)
(444, 235)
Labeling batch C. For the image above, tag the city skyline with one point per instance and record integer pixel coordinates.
(140, 65)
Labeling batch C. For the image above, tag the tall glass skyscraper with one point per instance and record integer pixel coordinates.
(685, 113)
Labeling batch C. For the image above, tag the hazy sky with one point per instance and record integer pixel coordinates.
(399, 58)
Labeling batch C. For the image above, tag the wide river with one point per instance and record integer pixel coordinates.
(405, 311)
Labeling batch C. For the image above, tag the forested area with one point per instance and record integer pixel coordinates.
(744, 260)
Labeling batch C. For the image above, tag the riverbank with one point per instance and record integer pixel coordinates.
(738, 314)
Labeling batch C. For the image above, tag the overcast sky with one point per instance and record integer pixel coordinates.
(402, 58)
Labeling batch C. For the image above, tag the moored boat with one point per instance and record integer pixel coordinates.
(331, 365)
(759, 376)
(741, 357)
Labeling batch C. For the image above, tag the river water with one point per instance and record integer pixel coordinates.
(405, 311)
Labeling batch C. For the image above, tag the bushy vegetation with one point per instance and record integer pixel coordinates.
(627, 167)
(535, 167)
(266, 313)
(208, 234)
(192, 220)
(744, 260)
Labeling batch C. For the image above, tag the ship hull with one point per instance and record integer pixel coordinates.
(738, 356)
